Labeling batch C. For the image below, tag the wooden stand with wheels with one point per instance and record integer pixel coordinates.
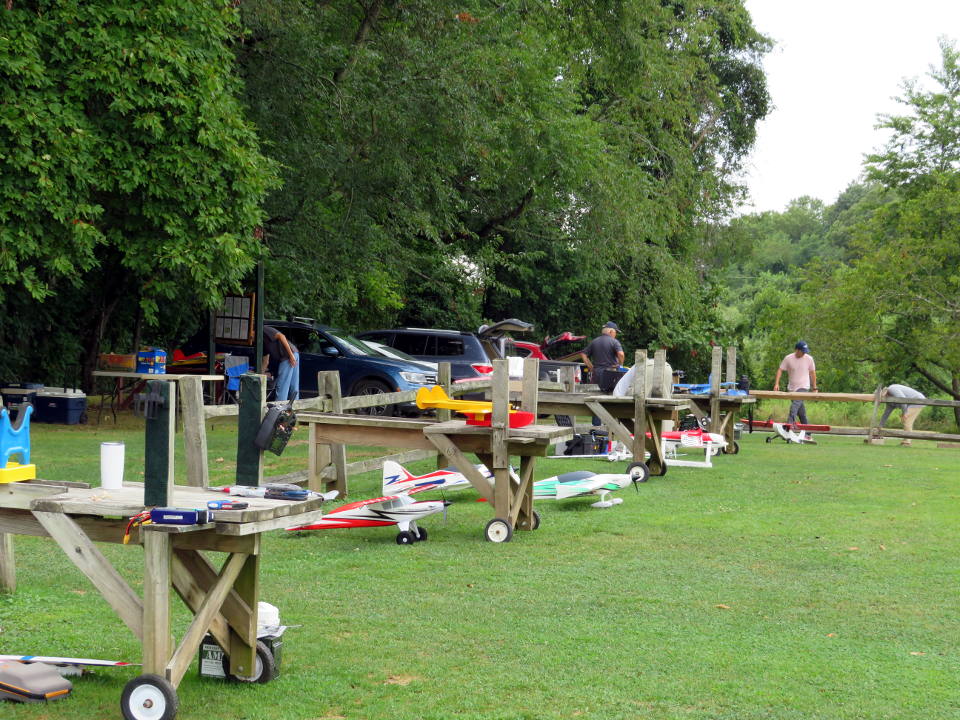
(510, 496)
(223, 600)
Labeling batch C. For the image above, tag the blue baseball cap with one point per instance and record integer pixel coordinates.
(612, 325)
(801, 345)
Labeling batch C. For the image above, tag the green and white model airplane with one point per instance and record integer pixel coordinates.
(583, 482)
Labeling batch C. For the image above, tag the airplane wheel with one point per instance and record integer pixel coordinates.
(770, 438)
(639, 469)
(264, 667)
(149, 697)
(421, 534)
(498, 531)
(406, 538)
(732, 449)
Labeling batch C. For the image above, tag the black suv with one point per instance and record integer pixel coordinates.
(469, 354)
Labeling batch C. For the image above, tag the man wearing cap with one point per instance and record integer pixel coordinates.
(603, 353)
(802, 377)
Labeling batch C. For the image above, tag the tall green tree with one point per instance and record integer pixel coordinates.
(128, 174)
(899, 302)
(448, 163)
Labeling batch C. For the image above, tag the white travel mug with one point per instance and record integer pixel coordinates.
(111, 465)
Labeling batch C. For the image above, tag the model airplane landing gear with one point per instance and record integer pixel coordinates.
(735, 448)
(149, 697)
(638, 472)
(498, 531)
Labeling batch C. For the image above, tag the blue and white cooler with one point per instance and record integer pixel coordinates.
(66, 406)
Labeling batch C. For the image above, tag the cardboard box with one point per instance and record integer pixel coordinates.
(214, 662)
(152, 361)
(120, 363)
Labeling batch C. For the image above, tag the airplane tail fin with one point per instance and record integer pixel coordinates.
(396, 478)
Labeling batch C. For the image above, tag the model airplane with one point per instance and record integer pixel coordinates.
(400, 510)
(789, 432)
(582, 483)
(397, 479)
(673, 440)
(66, 665)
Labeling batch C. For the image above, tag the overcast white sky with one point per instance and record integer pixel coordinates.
(837, 64)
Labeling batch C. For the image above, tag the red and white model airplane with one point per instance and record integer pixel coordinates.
(397, 508)
(397, 479)
(789, 432)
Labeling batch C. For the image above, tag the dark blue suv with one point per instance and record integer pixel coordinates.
(363, 371)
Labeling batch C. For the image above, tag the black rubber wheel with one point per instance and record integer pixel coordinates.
(406, 538)
(663, 470)
(421, 534)
(149, 697)
(643, 472)
(770, 438)
(372, 387)
(498, 531)
(732, 449)
(264, 668)
(536, 521)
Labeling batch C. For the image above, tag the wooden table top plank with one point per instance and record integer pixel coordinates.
(128, 501)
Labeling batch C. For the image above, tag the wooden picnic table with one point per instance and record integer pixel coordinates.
(512, 501)
(723, 411)
(620, 414)
(223, 600)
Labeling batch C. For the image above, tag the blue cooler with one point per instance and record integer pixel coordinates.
(60, 405)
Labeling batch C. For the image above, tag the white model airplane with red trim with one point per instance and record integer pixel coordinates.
(396, 508)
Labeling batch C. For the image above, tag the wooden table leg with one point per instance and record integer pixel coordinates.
(156, 602)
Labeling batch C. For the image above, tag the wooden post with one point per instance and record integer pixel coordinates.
(656, 388)
(445, 380)
(243, 643)
(156, 601)
(529, 395)
(500, 460)
(8, 568)
(732, 364)
(158, 463)
(639, 405)
(253, 403)
(329, 384)
(874, 434)
(194, 432)
(715, 369)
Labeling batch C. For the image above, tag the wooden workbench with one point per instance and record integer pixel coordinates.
(723, 411)
(512, 502)
(618, 414)
(223, 600)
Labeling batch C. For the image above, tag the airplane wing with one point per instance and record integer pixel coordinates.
(54, 660)
(397, 479)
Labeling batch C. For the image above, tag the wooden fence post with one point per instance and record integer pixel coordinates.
(874, 434)
(194, 432)
(715, 368)
(640, 406)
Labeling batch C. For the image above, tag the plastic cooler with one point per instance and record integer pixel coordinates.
(60, 405)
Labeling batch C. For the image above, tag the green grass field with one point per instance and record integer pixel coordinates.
(788, 582)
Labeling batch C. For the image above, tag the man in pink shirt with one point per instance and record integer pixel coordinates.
(801, 377)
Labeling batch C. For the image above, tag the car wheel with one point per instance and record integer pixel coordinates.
(372, 387)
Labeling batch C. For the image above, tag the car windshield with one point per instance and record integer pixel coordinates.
(353, 346)
(389, 352)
